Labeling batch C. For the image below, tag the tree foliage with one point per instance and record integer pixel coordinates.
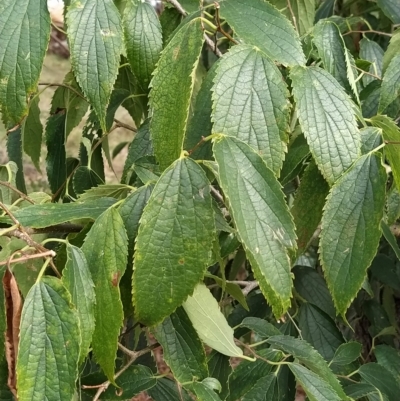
(257, 216)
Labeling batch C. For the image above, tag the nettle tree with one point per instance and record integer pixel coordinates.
(255, 218)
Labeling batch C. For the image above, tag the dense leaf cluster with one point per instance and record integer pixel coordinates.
(253, 235)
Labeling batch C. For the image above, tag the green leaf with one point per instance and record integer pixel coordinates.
(174, 79)
(265, 389)
(220, 368)
(56, 161)
(14, 151)
(308, 204)
(261, 327)
(84, 179)
(390, 88)
(233, 289)
(203, 393)
(116, 191)
(351, 228)
(316, 388)
(106, 251)
(179, 213)
(307, 355)
(49, 214)
(8, 173)
(95, 39)
(259, 113)
(71, 99)
(326, 118)
(295, 159)
(393, 205)
(391, 8)
(319, 330)
(392, 50)
(390, 133)
(381, 378)
(131, 211)
(304, 12)
(389, 357)
(311, 286)
(167, 390)
(261, 217)
(143, 39)
(200, 124)
(132, 381)
(390, 238)
(209, 322)
(32, 130)
(371, 138)
(331, 50)
(3, 322)
(371, 51)
(47, 364)
(270, 31)
(78, 281)
(25, 32)
(182, 349)
(347, 353)
(360, 390)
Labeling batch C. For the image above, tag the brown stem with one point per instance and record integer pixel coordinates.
(368, 31)
(219, 27)
(64, 86)
(292, 15)
(21, 194)
(28, 257)
(123, 125)
(198, 144)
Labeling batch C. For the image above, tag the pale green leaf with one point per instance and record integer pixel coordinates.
(392, 50)
(269, 30)
(48, 214)
(116, 191)
(32, 130)
(174, 79)
(316, 388)
(8, 174)
(307, 206)
(261, 217)
(372, 52)
(78, 281)
(381, 378)
(390, 133)
(307, 355)
(47, 364)
(351, 228)
(182, 349)
(347, 353)
(326, 117)
(209, 322)
(143, 39)
(174, 243)
(95, 39)
(391, 8)
(250, 102)
(390, 88)
(304, 13)
(24, 32)
(203, 393)
(106, 251)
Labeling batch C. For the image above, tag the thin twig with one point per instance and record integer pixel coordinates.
(292, 15)
(216, 194)
(21, 194)
(197, 145)
(368, 31)
(219, 27)
(123, 125)
(64, 86)
(134, 355)
(368, 73)
(248, 285)
(178, 6)
(28, 257)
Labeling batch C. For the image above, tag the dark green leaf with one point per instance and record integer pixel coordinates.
(32, 130)
(173, 79)
(371, 51)
(390, 238)
(170, 19)
(209, 322)
(261, 327)
(79, 283)
(260, 112)
(47, 364)
(106, 251)
(371, 138)
(351, 228)
(116, 191)
(3, 323)
(316, 388)
(48, 214)
(319, 330)
(390, 88)
(182, 348)
(307, 355)
(347, 353)
(8, 174)
(311, 286)
(389, 357)
(261, 217)
(391, 9)
(25, 32)
(270, 31)
(143, 39)
(179, 213)
(360, 390)
(203, 393)
(384, 269)
(304, 13)
(393, 205)
(95, 39)
(265, 389)
(14, 151)
(327, 120)
(392, 50)
(167, 390)
(391, 133)
(381, 378)
(84, 179)
(220, 368)
(308, 204)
